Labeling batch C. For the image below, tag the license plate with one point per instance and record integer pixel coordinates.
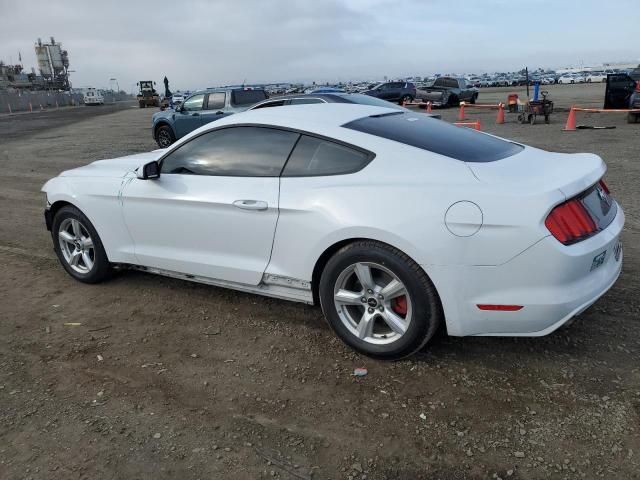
(598, 260)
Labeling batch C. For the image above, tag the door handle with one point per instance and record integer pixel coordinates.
(251, 204)
(195, 114)
(219, 112)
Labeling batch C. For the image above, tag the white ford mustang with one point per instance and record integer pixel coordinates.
(393, 222)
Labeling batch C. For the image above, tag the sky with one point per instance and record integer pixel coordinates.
(200, 43)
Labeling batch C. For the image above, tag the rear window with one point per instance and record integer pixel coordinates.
(318, 157)
(247, 97)
(436, 136)
(369, 100)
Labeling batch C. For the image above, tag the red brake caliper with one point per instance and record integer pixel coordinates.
(399, 305)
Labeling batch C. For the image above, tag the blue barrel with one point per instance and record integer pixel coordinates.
(536, 90)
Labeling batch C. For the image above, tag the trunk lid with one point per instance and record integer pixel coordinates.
(537, 171)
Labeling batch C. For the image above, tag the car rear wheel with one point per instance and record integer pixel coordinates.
(378, 300)
(405, 99)
(164, 136)
(79, 247)
(473, 99)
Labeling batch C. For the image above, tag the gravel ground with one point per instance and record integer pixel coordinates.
(169, 379)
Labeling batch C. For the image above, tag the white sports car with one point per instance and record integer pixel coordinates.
(394, 222)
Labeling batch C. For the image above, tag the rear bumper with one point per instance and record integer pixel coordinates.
(552, 282)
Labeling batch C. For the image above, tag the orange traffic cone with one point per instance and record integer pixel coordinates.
(404, 101)
(429, 107)
(571, 121)
(500, 116)
(477, 125)
(461, 113)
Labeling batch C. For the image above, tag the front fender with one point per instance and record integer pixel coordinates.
(98, 198)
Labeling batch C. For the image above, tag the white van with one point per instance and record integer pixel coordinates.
(93, 97)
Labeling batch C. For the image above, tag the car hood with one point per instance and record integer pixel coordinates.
(162, 114)
(115, 167)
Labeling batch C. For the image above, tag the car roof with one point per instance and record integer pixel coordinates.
(322, 118)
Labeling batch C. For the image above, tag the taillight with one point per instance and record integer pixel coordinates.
(570, 222)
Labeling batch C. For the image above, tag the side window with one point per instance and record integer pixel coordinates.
(314, 157)
(304, 101)
(439, 82)
(462, 83)
(233, 152)
(193, 103)
(216, 101)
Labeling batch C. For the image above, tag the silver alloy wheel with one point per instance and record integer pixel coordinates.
(372, 303)
(164, 138)
(76, 245)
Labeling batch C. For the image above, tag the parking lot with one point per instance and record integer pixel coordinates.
(149, 377)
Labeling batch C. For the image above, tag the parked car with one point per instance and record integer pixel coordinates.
(93, 97)
(399, 92)
(567, 78)
(623, 91)
(448, 92)
(501, 82)
(199, 109)
(392, 221)
(305, 99)
(581, 77)
(596, 77)
(177, 99)
(328, 90)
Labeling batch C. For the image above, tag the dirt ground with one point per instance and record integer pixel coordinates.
(167, 379)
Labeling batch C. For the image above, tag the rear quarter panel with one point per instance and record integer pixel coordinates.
(401, 199)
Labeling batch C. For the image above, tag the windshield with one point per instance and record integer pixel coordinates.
(436, 136)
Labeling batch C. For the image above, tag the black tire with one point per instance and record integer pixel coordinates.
(426, 310)
(453, 101)
(164, 136)
(141, 104)
(632, 118)
(473, 99)
(101, 268)
(405, 99)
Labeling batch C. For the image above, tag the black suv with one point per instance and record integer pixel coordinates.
(394, 91)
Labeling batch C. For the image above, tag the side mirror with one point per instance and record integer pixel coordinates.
(148, 171)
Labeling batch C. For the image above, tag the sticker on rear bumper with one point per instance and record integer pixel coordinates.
(598, 260)
(617, 251)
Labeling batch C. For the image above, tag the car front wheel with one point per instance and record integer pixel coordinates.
(378, 300)
(78, 246)
(164, 137)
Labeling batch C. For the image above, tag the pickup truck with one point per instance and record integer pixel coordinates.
(448, 92)
(201, 108)
(623, 91)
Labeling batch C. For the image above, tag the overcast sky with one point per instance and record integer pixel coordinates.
(199, 43)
